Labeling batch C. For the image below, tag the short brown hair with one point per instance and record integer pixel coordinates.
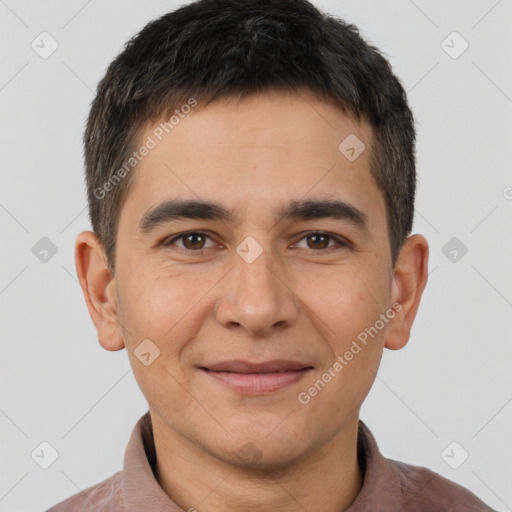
(211, 49)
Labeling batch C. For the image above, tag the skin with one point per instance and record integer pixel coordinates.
(295, 301)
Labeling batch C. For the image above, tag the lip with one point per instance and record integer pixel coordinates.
(272, 366)
(257, 378)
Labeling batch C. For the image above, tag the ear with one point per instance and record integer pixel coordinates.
(98, 286)
(409, 280)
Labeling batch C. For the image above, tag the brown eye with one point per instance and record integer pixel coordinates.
(192, 241)
(319, 241)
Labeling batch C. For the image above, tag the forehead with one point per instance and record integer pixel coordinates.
(256, 154)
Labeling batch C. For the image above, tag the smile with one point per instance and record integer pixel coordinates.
(257, 378)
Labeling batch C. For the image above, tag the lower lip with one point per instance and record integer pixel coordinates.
(258, 383)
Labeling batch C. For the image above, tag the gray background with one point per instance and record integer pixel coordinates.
(452, 382)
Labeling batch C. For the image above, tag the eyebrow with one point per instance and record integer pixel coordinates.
(177, 209)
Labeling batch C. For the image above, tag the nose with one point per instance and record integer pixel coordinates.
(257, 297)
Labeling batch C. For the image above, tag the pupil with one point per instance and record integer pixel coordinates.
(192, 236)
(317, 237)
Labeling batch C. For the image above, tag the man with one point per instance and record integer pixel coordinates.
(251, 179)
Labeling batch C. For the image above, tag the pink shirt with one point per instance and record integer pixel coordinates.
(388, 485)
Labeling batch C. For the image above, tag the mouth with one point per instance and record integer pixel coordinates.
(257, 378)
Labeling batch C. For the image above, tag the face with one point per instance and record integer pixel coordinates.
(250, 304)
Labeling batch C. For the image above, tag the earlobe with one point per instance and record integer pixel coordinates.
(98, 286)
(409, 280)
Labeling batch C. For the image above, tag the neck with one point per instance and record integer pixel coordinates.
(328, 479)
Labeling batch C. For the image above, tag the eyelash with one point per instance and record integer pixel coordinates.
(341, 243)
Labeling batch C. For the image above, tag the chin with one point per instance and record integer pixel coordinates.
(262, 448)
(252, 457)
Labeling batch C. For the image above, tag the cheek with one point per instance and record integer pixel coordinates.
(157, 300)
(359, 330)
(165, 309)
(347, 306)
(168, 306)
(346, 301)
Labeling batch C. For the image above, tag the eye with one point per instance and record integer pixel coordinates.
(195, 241)
(192, 241)
(320, 240)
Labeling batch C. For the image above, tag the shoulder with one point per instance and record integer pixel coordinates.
(425, 490)
(105, 496)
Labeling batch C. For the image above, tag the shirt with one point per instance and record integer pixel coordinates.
(388, 485)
